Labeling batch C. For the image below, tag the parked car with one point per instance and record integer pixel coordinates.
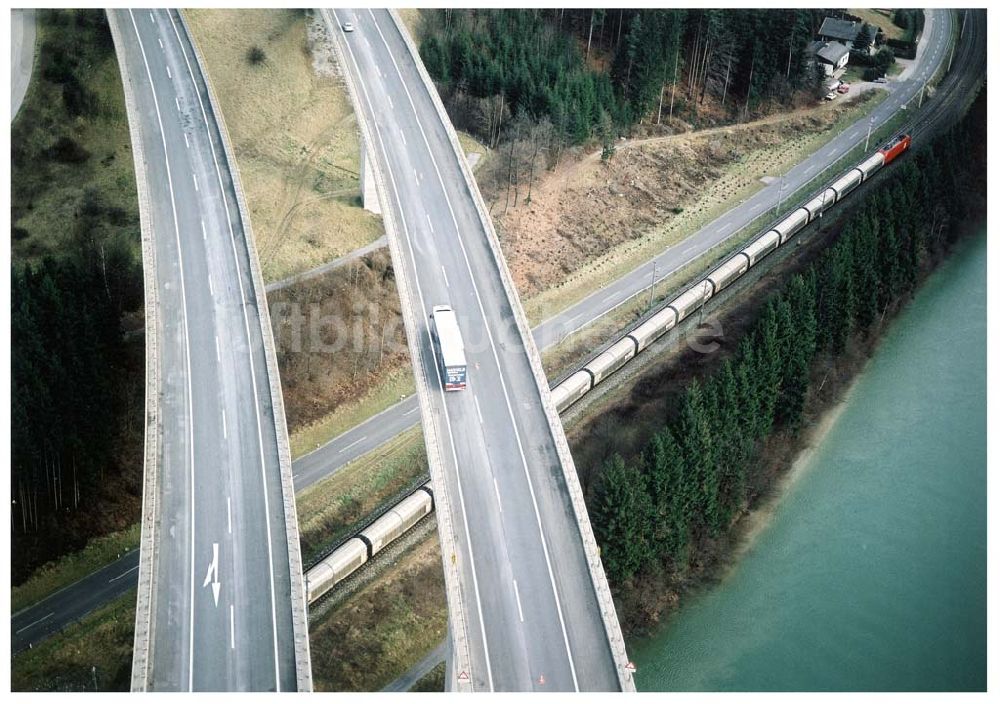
(843, 88)
(830, 96)
(881, 79)
(348, 27)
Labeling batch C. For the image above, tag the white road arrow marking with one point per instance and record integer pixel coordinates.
(213, 574)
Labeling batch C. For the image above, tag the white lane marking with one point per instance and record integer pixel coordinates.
(832, 152)
(187, 344)
(187, 142)
(445, 274)
(35, 623)
(232, 628)
(129, 571)
(218, 356)
(415, 408)
(478, 412)
(429, 223)
(229, 514)
(253, 376)
(177, 102)
(496, 488)
(204, 234)
(755, 206)
(402, 136)
(416, 177)
(211, 287)
(160, 42)
(809, 169)
(496, 359)
(195, 177)
(856, 134)
(609, 297)
(168, 73)
(389, 98)
(152, 18)
(225, 433)
(437, 372)
(348, 447)
(517, 597)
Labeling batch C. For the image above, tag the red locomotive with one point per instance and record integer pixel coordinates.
(896, 146)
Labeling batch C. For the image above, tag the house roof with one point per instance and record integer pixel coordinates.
(833, 52)
(843, 30)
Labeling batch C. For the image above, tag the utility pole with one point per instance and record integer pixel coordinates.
(871, 121)
(781, 187)
(652, 284)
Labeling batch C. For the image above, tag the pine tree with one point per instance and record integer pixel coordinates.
(623, 520)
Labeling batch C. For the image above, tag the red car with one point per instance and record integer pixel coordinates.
(843, 87)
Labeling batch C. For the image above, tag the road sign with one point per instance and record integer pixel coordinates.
(463, 676)
(630, 666)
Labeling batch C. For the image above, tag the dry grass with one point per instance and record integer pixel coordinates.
(339, 337)
(329, 508)
(294, 134)
(411, 17)
(882, 19)
(381, 631)
(591, 222)
(392, 386)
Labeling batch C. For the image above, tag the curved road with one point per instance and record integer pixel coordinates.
(71, 604)
(221, 581)
(529, 609)
(22, 56)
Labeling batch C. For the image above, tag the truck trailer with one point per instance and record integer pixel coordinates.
(450, 350)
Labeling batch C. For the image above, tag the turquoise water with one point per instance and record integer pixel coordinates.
(871, 575)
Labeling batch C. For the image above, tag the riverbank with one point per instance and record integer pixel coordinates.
(871, 574)
(650, 600)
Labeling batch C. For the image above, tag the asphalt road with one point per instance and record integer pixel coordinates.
(73, 603)
(532, 616)
(222, 615)
(931, 53)
(22, 56)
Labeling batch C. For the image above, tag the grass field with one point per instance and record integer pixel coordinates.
(883, 19)
(92, 655)
(294, 134)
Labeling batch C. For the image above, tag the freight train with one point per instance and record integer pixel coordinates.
(576, 385)
(400, 518)
(362, 547)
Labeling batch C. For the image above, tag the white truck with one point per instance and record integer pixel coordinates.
(450, 350)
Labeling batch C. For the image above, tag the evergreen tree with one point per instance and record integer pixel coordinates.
(623, 520)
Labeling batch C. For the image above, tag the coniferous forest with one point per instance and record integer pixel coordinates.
(76, 290)
(595, 73)
(658, 512)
